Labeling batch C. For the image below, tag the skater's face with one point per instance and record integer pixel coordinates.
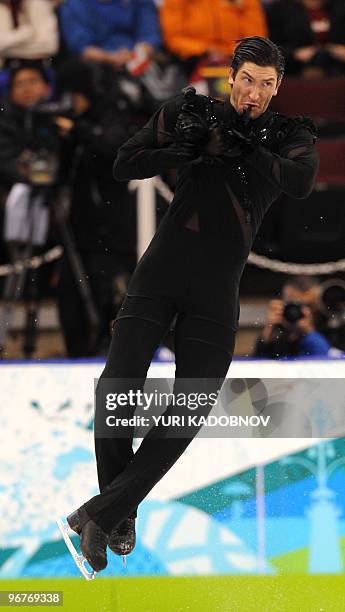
(253, 87)
(28, 88)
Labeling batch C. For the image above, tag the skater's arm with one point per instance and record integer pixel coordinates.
(294, 169)
(153, 149)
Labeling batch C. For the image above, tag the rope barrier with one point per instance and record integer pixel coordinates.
(34, 262)
(294, 268)
(274, 265)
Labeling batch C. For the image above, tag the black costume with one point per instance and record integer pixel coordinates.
(191, 268)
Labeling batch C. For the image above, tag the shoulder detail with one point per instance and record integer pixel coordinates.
(285, 125)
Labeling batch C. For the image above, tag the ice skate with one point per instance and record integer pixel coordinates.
(123, 538)
(93, 542)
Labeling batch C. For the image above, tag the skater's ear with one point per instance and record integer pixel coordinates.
(231, 78)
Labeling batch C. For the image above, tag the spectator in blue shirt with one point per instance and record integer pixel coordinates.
(294, 325)
(109, 30)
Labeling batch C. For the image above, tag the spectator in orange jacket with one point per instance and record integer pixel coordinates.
(193, 28)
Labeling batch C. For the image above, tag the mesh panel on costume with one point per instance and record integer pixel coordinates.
(246, 227)
(296, 152)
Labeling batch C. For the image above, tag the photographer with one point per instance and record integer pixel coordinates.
(23, 132)
(29, 163)
(293, 326)
(102, 213)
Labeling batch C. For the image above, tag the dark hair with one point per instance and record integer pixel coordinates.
(260, 51)
(28, 65)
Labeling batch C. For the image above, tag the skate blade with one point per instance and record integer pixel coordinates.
(124, 561)
(79, 559)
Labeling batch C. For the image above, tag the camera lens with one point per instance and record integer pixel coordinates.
(293, 312)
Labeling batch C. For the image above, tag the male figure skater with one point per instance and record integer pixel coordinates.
(233, 158)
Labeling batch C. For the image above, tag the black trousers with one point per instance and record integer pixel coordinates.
(204, 343)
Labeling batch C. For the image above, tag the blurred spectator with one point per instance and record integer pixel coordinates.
(29, 152)
(28, 29)
(293, 326)
(193, 28)
(22, 130)
(311, 34)
(109, 31)
(102, 212)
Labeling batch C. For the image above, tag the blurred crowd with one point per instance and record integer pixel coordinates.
(77, 78)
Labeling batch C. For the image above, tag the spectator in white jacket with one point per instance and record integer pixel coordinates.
(28, 30)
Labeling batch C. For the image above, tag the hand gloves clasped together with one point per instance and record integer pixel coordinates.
(199, 136)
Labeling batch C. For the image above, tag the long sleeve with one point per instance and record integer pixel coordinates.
(254, 20)
(314, 344)
(147, 24)
(79, 36)
(176, 20)
(144, 155)
(37, 38)
(11, 37)
(194, 28)
(294, 169)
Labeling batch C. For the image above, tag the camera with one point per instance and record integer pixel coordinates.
(42, 168)
(42, 160)
(293, 312)
(332, 296)
(332, 304)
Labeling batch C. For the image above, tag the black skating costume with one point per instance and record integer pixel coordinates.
(192, 269)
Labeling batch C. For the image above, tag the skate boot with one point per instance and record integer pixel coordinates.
(122, 538)
(93, 542)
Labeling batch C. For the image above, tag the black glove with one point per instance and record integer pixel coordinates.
(238, 136)
(193, 124)
(190, 127)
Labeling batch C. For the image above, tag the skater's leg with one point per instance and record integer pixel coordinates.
(138, 330)
(203, 350)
